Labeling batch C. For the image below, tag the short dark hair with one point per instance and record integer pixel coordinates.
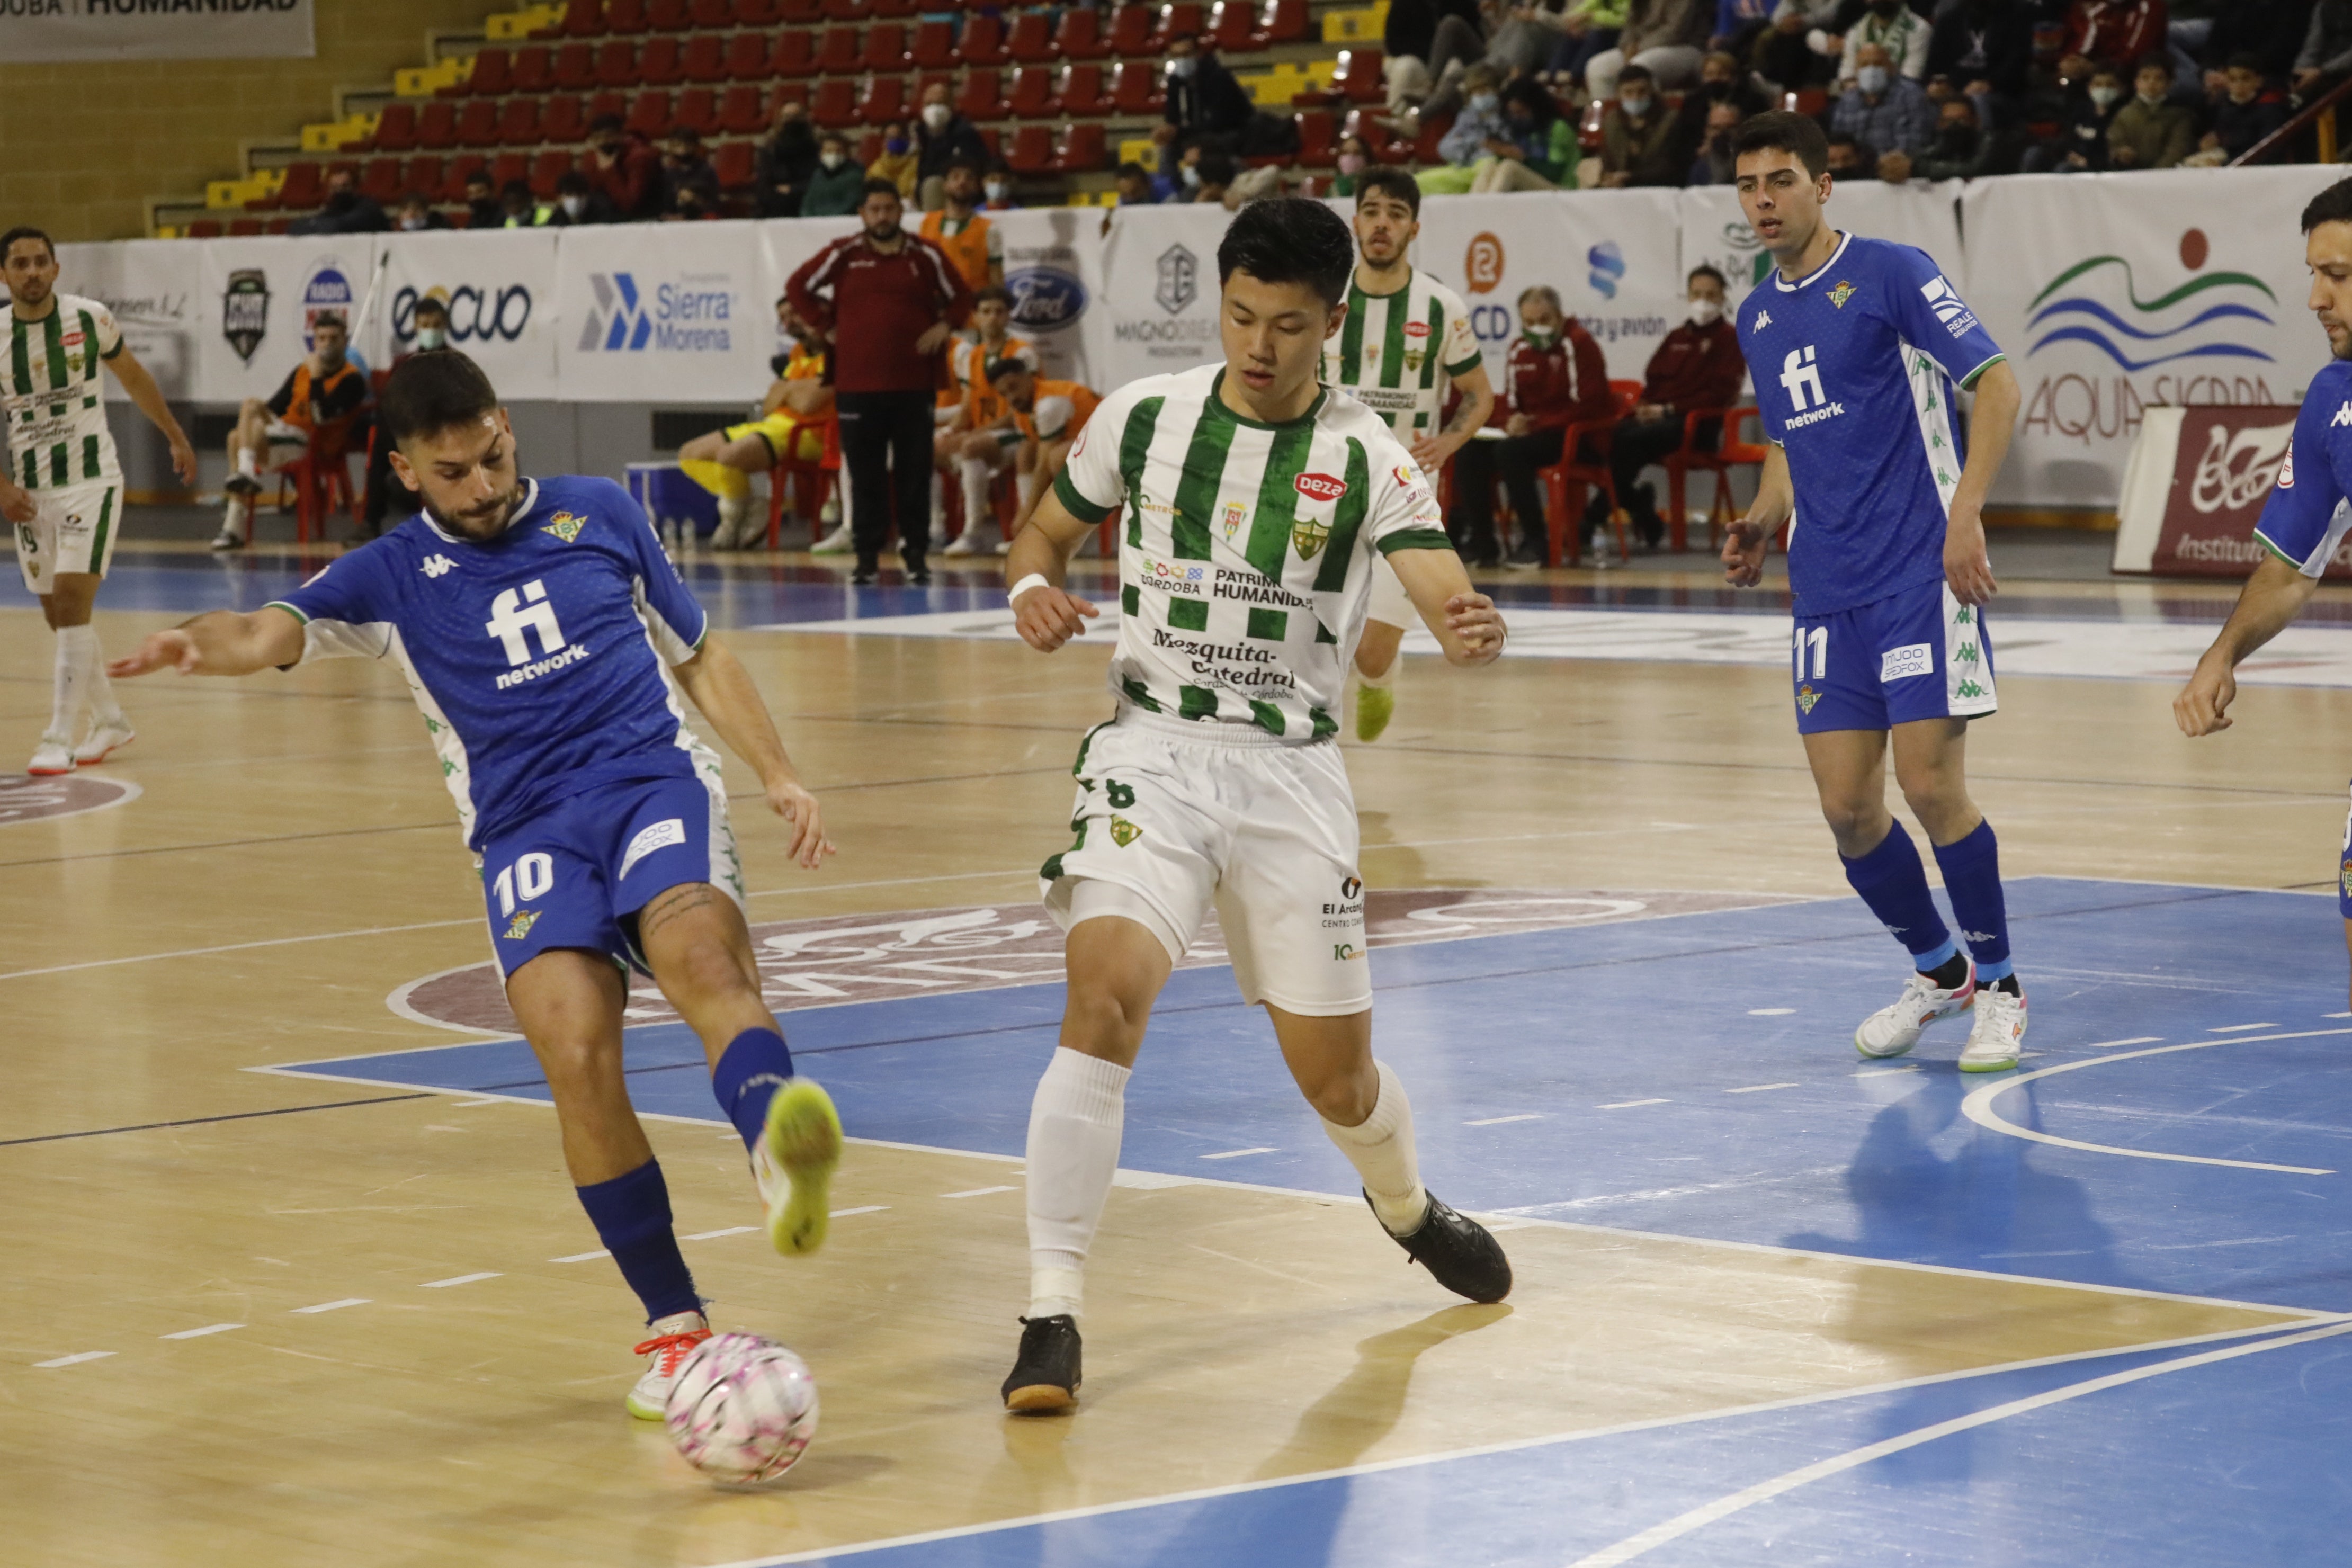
(25, 231)
(516, 188)
(573, 183)
(962, 161)
(432, 305)
(2154, 60)
(1636, 73)
(1133, 172)
(434, 390)
(997, 369)
(1707, 269)
(605, 122)
(478, 176)
(996, 291)
(1289, 239)
(2332, 206)
(330, 318)
(1783, 130)
(875, 185)
(2241, 61)
(1397, 183)
(1216, 168)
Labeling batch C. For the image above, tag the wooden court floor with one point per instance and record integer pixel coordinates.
(293, 859)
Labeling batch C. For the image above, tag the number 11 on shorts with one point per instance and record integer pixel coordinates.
(1818, 642)
(533, 876)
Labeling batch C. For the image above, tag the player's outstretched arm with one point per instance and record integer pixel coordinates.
(219, 643)
(1967, 567)
(1046, 614)
(721, 688)
(1432, 450)
(1465, 622)
(150, 401)
(1747, 541)
(2272, 598)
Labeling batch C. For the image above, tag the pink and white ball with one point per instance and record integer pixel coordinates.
(744, 1408)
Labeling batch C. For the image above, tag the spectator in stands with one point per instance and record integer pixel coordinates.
(2326, 53)
(1962, 150)
(838, 185)
(381, 493)
(518, 208)
(1721, 80)
(1902, 33)
(895, 299)
(1537, 151)
(347, 210)
(2081, 143)
(1133, 184)
(1665, 37)
(2242, 115)
(1412, 57)
(1212, 173)
(899, 161)
(795, 415)
(1739, 23)
(1353, 160)
(1697, 366)
(786, 163)
(416, 214)
(1641, 143)
(1986, 49)
(2272, 31)
(1713, 164)
(996, 190)
(1801, 50)
(1849, 158)
(689, 185)
(1554, 376)
(975, 245)
(943, 138)
(1205, 104)
(1886, 112)
(624, 166)
(312, 413)
(2124, 30)
(2150, 131)
(578, 202)
(1586, 29)
(483, 208)
(1467, 140)
(1525, 37)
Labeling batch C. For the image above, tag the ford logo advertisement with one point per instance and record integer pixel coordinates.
(1046, 298)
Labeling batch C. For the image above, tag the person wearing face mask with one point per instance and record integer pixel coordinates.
(943, 139)
(1539, 150)
(1894, 28)
(1667, 38)
(1641, 143)
(348, 210)
(1713, 167)
(1353, 161)
(1481, 122)
(839, 183)
(1962, 149)
(625, 168)
(1697, 368)
(383, 492)
(416, 215)
(1205, 105)
(1553, 376)
(1884, 110)
(689, 184)
(1722, 81)
(578, 202)
(2150, 132)
(975, 245)
(785, 164)
(312, 411)
(996, 190)
(899, 160)
(2081, 143)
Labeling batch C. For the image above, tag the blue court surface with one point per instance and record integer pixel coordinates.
(1694, 1076)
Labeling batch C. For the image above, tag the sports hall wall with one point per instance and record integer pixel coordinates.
(2110, 293)
(88, 143)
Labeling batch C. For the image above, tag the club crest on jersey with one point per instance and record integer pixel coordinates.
(1841, 294)
(565, 526)
(1806, 698)
(1235, 513)
(520, 925)
(1307, 536)
(1124, 832)
(1412, 358)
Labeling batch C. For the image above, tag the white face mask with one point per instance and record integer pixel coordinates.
(410, 224)
(2105, 97)
(937, 115)
(830, 160)
(1635, 108)
(1191, 176)
(575, 206)
(1706, 312)
(1182, 69)
(1872, 79)
(997, 190)
(431, 338)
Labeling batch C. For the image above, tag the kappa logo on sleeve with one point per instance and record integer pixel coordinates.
(2286, 463)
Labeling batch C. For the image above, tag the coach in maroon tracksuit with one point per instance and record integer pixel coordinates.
(1555, 377)
(887, 300)
(1699, 366)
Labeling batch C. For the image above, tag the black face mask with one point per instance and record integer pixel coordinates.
(1956, 141)
(1721, 91)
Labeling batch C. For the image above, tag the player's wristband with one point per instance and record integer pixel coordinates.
(1035, 580)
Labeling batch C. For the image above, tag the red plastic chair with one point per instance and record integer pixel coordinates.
(1567, 482)
(379, 181)
(1081, 91)
(740, 113)
(239, 228)
(981, 97)
(547, 166)
(885, 48)
(205, 228)
(755, 13)
(710, 16)
(746, 58)
(837, 51)
(795, 54)
(1133, 30)
(984, 42)
(607, 101)
(477, 123)
(453, 178)
(519, 122)
(1319, 137)
(1081, 151)
(649, 114)
(884, 100)
(1182, 19)
(508, 167)
(668, 16)
(1234, 27)
(660, 64)
(1032, 150)
(575, 67)
(395, 128)
(534, 70)
(800, 13)
(305, 187)
(625, 16)
(935, 47)
(817, 477)
(490, 76)
(320, 482)
(560, 120)
(844, 10)
(895, 9)
(422, 176)
(1080, 35)
(1033, 96)
(737, 165)
(696, 110)
(1357, 77)
(1285, 21)
(1136, 89)
(836, 104)
(582, 19)
(616, 64)
(1729, 453)
(1031, 41)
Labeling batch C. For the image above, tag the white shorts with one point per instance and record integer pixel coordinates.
(287, 443)
(1390, 605)
(1174, 815)
(72, 530)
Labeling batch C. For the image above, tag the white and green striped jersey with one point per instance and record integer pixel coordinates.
(1396, 352)
(1245, 562)
(48, 383)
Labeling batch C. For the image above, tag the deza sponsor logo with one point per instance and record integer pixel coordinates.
(687, 314)
(488, 313)
(2185, 345)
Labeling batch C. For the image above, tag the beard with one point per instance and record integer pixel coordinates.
(480, 525)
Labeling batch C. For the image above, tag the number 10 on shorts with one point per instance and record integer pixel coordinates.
(1815, 641)
(533, 877)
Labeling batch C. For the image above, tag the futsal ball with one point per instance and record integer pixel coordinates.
(743, 1409)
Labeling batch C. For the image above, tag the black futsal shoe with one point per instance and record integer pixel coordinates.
(1459, 1253)
(1045, 1376)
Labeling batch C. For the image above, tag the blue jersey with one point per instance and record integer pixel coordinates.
(538, 659)
(1854, 366)
(2305, 519)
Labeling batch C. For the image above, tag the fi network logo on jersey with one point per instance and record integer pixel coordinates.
(517, 615)
(1800, 374)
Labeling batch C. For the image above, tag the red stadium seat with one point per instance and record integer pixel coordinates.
(452, 179)
(983, 41)
(737, 165)
(1032, 149)
(1131, 30)
(1080, 35)
(240, 227)
(935, 45)
(624, 16)
(1081, 151)
(746, 58)
(305, 187)
(582, 19)
(1136, 89)
(1031, 41)
(885, 48)
(1357, 77)
(1319, 135)
(437, 125)
(668, 16)
(885, 101)
(785, 92)
(509, 167)
(993, 140)
(395, 128)
(755, 13)
(1082, 93)
(616, 63)
(800, 13)
(896, 10)
(696, 110)
(1232, 25)
(836, 108)
(422, 174)
(1033, 96)
(547, 168)
(477, 123)
(1183, 19)
(491, 76)
(649, 114)
(658, 64)
(204, 228)
(608, 102)
(560, 120)
(837, 52)
(1433, 128)
(575, 67)
(1285, 21)
(533, 69)
(868, 148)
(519, 122)
(982, 96)
(380, 181)
(844, 10)
(740, 113)
(710, 16)
(926, 80)
(793, 55)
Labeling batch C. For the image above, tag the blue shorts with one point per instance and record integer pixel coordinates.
(1919, 653)
(576, 875)
(2344, 879)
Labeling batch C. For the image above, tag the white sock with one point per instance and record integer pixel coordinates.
(938, 511)
(78, 650)
(1380, 1149)
(1073, 1130)
(977, 512)
(248, 463)
(1385, 678)
(233, 520)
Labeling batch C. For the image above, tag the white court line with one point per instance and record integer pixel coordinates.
(1769, 1012)
(715, 1235)
(76, 1360)
(199, 1333)
(455, 1280)
(1890, 1072)
(581, 1257)
(1627, 1104)
(1763, 1491)
(1237, 1153)
(862, 1209)
(334, 1306)
(485, 1099)
(1977, 1107)
(979, 1192)
(2240, 1028)
(1760, 1088)
(2137, 1040)
(1482, 1122)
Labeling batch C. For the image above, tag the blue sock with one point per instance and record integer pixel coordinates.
(631, 1214)
(750, 1070)
(1892, 881)
(1972, 882)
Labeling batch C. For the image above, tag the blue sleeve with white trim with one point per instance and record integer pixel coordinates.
(671, 604)
(2305, 514)
(1933, 318)
(355, 588)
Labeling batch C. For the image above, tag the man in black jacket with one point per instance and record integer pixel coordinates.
(1985, 47)
(786, 160)
(347, 211)
(1205, 105)
(942, 137)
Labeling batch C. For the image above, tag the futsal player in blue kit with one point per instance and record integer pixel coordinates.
(546, 639)
(1855, 346)
(2303, 522)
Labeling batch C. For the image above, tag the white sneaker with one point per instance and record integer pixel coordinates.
(837, 542)
(729, 534)
(1999, 1033)
(104, 739)
(673, 1340)
(1891, 1030)
(50, 759)
(967, 543)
